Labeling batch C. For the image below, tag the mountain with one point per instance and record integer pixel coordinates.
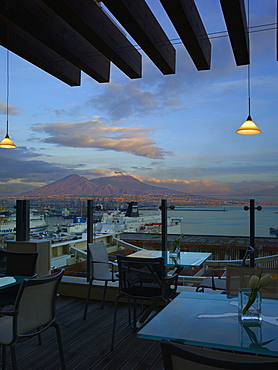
(114, 184)
(69, 185)
(127, 185)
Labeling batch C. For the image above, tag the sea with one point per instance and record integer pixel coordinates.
(226, 221)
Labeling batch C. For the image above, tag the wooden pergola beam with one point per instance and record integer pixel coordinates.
(39, 21)
(139, 21)
(92, 23)
(30, 49)
(236, 22)
(188, 24)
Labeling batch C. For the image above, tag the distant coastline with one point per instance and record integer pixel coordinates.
(152, 201)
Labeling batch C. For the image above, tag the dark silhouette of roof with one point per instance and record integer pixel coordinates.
(66, 37)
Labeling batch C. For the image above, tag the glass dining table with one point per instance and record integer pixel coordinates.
(7, 281)
(211, 320)
(185, 259)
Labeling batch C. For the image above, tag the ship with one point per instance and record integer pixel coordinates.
(78, 226)
(130, 221)
(8, 223)
(273, 231)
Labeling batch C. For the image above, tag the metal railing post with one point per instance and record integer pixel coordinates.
(252, 230)
(164, 227)
(90, 232)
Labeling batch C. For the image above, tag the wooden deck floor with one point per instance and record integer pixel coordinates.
(87, 343)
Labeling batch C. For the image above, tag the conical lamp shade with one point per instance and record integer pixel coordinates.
(7, 143)
(248, 128)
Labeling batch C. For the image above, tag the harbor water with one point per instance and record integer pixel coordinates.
(228, 220)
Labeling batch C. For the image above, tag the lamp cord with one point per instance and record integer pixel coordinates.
(8, 89)
(248, 66)
(249, 91)
(8, 67)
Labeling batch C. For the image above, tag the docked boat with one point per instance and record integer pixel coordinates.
(78, 226)
(66, 213)
(273, 231)
(130, 221)
(8, 223)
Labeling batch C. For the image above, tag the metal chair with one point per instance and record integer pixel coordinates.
(220, 284)
(100, 270)
(143, 279)
(33, 313)
(17, 263)
(177, 358)
(213, 282)
(12, 264)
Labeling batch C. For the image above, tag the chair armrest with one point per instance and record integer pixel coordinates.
(113, 264)
(218, 272)
(107, 263)
(171, 280)
(219, 276)
(174, 276)
(167, 282)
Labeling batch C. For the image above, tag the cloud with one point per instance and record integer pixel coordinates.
(99, 135)
(13, 111)
(71, 110)
(98, 173)
(24, 170)
(20, 164)
(129, 99)
(204, 187)
(134, 168)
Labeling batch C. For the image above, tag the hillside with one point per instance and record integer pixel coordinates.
(113, 185)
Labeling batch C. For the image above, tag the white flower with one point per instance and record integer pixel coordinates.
(254, 282)
(266, 280)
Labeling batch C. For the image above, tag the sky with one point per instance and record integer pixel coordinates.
(175, 131)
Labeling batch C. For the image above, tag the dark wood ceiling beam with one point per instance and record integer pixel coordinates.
(139, 21)
(30, 49)
(90, 21)
(37, 19)
(188, 24)
(235, 18)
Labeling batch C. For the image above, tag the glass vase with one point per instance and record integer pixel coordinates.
(175, 253)
(254, 312)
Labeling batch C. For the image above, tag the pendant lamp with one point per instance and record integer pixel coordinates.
(7, 143)
(248, 127)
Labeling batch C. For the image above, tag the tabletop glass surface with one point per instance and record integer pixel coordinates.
(186, 259)
(6, 281)
(211, 320)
